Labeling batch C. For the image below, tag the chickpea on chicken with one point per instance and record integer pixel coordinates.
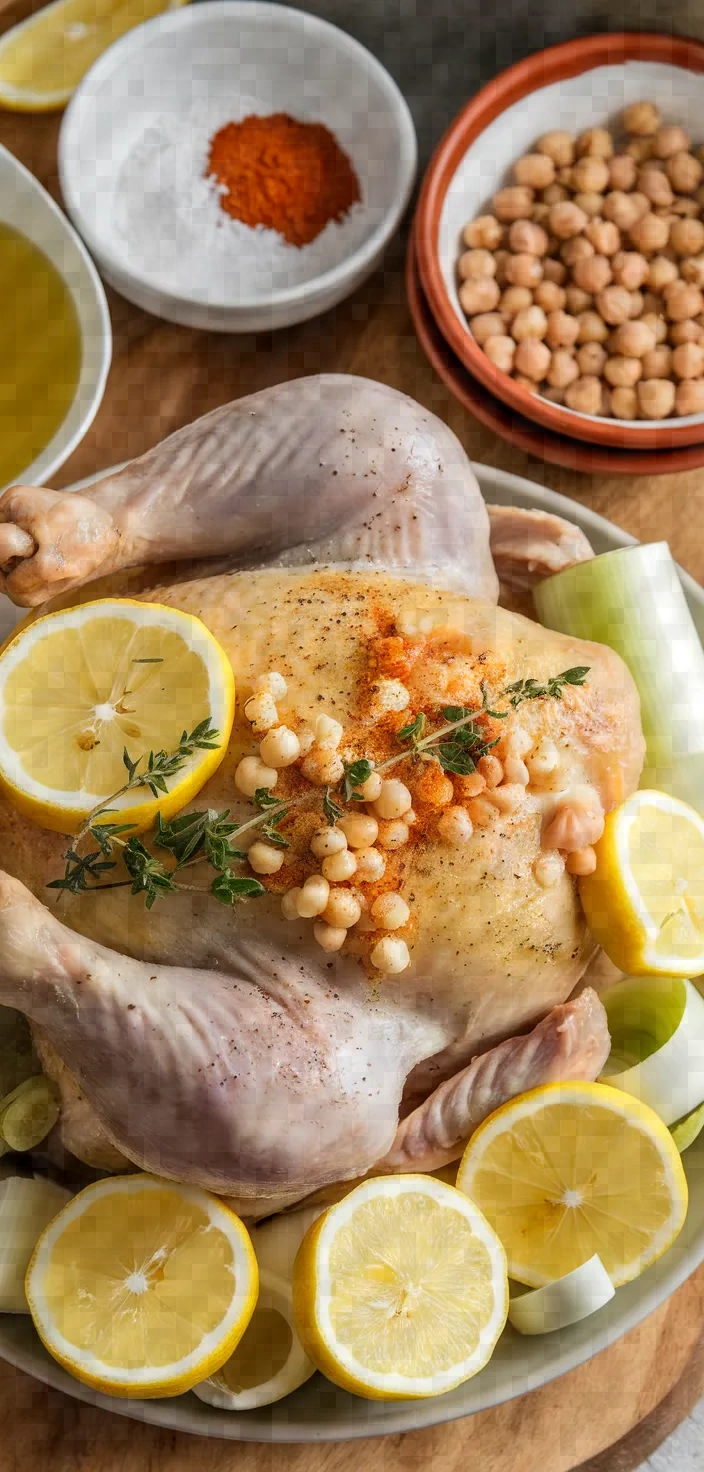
(585, 281)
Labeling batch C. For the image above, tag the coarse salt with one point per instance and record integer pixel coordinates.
(172, 229)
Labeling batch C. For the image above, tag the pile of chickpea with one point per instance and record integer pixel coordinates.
(586, 282)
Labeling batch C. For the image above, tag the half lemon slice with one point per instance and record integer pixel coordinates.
(141, 1286)
(43, 59)
(81, 687)
(400, 1290)
(568, 1171)
(644, 902)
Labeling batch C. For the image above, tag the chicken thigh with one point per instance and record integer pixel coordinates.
(353, 557)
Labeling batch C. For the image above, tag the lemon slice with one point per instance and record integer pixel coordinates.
(269, 1362)
(141, 1286)
(400, 1289)
(80, 687)
(644, 903)
(43, 59)
(568, 1171)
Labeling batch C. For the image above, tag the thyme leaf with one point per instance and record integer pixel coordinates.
(228, 888)
(331, 810)
(356, 774)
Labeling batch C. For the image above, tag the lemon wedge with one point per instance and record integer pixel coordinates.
(568, 1171)
(644, 902)
(141, 1286)
(43, 59)
(80, 687)
(400, 1290)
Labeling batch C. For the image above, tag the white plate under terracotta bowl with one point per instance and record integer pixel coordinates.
(321, 1412)
(28, 208)
(574, 86)
(266, 58)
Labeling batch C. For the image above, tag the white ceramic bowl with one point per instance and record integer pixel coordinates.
(238, 56)
(321, 1412)
(28, 208)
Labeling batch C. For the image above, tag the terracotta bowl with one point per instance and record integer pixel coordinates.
(532, 439)
(575, 86)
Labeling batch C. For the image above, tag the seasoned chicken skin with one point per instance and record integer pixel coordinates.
(358, 557)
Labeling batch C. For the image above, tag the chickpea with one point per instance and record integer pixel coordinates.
(371, 865)
(536, 170)
(393, 834)
(582, 861)
(264, 858)
(641, 118)
(539, 213)
(313, 897)
(514, 203)
(487, 324)
(687, 331)
(576, 249)
(687, 237)
(640, 149)
(591, 204)
(273, 683)
(289, 904)
(500, 259)
(684, 172)
(689, 397)
(591, 358)
(630, 269)
(683, 205)
(339, 867)
(485, 233)
(328, 841)
(532, 359)
(549, 296)
(671, 140)
(658, 363)
(566, 220)
(614, 304)
(523, 381)
(476, 263)
(390, 911)
(513, 300)
(661, 273)
(479, 296)
(622, 172)
(548, 869)
(260, 710)
(358, 829)
(554, 271)
(592, 327)
(655, 185)
(508, 797)
(657, 324)
(622, 209)
(605, 237)
(650, 233)
(562, 330)
(559, 146)
(491, 769)
(252, 773)
(688, 360)
(529, 322)
(390, 955)
(322, 767)
(592, 273)
(500, 351)
(596, 143)
(637, 302)
(394, 799)
(633, 339)
(656, 398)
(563, 369)
(590, 175)
(524, 270)
(280, 747)
(683, 301)
(584, 395)
(342, 910)
(516, 771)
(330, 937)
(623, 372)
(624, 403)
(554, 194)
(517, 741)
(577, 301)
(692, 269)
(524, 236)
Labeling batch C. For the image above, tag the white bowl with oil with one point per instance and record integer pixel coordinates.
(27, 209)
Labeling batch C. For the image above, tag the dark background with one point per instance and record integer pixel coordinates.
(441, 51)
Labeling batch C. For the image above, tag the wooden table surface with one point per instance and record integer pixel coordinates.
(162, 377)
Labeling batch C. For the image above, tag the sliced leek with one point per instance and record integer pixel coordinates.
(657, 1043)
(28, 1113)
(26, 1207)
(687, 1130)
(632, 599)
(579, 1294)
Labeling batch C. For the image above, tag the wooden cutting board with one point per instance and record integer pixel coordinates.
(626, 1399)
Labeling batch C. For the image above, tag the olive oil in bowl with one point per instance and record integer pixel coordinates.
(40, 352)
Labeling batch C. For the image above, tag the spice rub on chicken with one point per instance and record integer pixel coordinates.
(246, 1051)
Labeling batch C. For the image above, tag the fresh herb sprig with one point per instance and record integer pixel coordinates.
(532, 690)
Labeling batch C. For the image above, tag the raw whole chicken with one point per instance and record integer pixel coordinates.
(333, 531)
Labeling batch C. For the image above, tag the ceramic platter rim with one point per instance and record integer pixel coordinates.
(318, 1411)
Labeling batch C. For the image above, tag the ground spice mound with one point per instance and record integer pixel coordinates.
(290, 176)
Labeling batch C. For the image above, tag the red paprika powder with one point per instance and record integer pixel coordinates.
(290, 176)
